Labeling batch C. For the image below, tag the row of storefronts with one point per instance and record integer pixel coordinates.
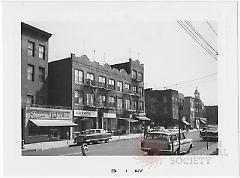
(47, 124)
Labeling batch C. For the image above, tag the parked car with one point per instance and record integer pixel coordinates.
(165, 142)
(92, 136)
(209, 133)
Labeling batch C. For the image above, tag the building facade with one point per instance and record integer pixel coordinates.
(40, 122)
(189, 110)
(198, 110)
(99, 95)
(162, 107)
(137, 98)
(212, 114)
(34, 65)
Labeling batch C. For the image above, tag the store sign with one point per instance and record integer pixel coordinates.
(84, 113)
(46, 113)
(109, 115)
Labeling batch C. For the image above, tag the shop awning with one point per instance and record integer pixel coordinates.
(129, 120)
(55, 123)
(143, 118)
(203, 121)
(185, 122)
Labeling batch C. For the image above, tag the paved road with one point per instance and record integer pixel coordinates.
(115, 148)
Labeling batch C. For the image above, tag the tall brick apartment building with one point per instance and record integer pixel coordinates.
(38, 119)
(162, 106)
(212, 114)
(100, 96)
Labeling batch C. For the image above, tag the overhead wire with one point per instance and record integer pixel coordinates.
(198, 34)
(196, 39)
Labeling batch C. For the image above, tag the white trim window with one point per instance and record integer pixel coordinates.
(78, 76)
(119, 86)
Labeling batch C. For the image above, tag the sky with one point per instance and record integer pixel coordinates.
(170, 56)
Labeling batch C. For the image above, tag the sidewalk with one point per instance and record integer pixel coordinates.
(65, 143)
(204, 151)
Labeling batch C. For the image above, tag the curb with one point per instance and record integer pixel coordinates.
(32, 149)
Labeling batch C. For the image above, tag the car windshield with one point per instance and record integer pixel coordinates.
(89, 132)
(157, 136)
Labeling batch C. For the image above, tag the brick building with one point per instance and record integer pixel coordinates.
(162, 107)
(137, 98)
(212, 114)
(100, 96)
(38, 119)
(34, 65)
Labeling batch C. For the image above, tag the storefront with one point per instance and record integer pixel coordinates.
(128, 125)
(85, 120)
(46, 124)
(143, 121)
(109, 122)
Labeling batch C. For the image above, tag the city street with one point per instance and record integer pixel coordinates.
(129, 147)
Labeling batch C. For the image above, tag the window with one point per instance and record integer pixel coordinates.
(102, 100)
(120, 86)
(140, 76)
(90, 78)
(41, 52)
(127, 86)
(141, 91)
(141, 106)
(164, 99)
(31, 48)
(134, 74)
(102, 81)
(30, 72)
(30, 99)
(111, 99)
(41, 74)
(127, 104)
(135, 105)
(134, 89)
(78, 76)
(119, 103)
(78, 98)
(90, 99)
(111, 83)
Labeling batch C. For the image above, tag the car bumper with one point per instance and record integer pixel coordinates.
(159, 151)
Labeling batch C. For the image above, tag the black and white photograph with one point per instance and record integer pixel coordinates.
(120, 88)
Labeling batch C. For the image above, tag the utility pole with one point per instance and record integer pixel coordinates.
(179, 124)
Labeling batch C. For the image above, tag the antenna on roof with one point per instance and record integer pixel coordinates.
(104, 56)
(94, 52)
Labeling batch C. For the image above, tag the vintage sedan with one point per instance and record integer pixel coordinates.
(92, 136)
(210, 133)
(165, 143)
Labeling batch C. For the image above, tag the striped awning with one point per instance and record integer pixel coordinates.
(55, 123)
(142, 118)
(128, 119)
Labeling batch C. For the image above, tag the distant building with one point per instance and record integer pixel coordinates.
(162, 106)
(198, 109)
(212, 114)
(100, 96)
(189, 110)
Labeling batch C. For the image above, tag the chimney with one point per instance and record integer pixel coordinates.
(72, 55)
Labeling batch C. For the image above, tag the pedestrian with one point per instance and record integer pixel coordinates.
(84, 147)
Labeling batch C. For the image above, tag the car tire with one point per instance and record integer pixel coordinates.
(107, 140)
(149, 153)
(189, 150)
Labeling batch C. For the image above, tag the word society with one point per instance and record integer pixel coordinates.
(190, 160)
